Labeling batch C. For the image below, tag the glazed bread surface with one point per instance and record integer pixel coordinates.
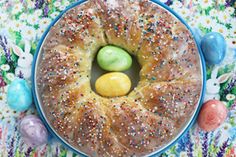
(152, 114)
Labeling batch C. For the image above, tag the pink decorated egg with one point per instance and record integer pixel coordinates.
(213, 113)
(33, 131)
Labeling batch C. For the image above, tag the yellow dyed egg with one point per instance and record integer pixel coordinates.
(113, 84)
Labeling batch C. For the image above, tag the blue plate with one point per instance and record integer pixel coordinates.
(53, 132)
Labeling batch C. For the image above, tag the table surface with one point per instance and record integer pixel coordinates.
(26, 19)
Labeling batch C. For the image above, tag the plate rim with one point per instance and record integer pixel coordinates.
(169, 144)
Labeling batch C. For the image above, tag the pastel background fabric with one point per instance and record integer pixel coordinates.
(22, 20)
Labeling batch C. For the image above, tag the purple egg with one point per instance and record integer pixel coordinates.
(33, 131)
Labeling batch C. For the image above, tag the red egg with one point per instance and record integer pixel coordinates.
(213, 113)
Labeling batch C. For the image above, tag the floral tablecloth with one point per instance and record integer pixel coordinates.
(22, 20)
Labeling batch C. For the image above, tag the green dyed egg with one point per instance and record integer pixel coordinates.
(113, 58)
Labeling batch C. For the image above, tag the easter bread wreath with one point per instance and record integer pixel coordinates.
(149, 116)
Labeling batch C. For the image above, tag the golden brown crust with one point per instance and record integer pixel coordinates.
(79, 28)
(136, 128)
(174, 100)
(120, 22)
(154, 112)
